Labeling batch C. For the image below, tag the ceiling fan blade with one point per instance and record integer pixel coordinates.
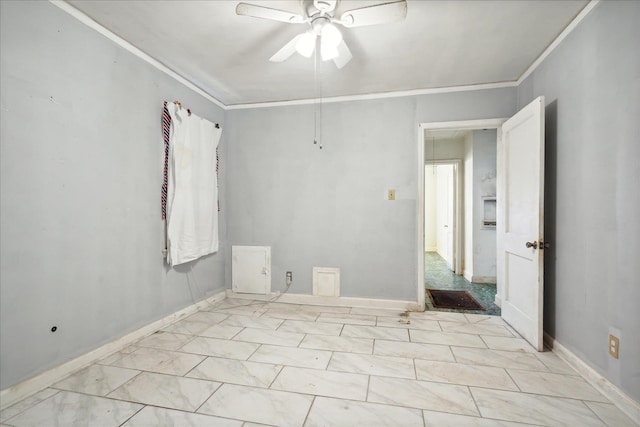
(268, 13)
(286, 51)
(344, 55)
(372, 15)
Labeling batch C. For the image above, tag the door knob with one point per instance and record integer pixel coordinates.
(533, 245)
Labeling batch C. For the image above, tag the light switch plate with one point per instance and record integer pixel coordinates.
(614, 346)
(391, 194)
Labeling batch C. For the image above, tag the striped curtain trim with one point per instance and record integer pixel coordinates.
(166, 128)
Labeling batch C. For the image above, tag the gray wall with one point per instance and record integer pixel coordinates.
(327, 207)
(81, 156)
(443, 149)
(484, 184)
(592, 87)
(80, 165)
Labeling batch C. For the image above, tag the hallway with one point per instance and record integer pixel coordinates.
(438, 276)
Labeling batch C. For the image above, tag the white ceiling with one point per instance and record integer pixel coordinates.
(440, 44)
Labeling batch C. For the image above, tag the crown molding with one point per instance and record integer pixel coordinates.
(568, 29)
(378, 95)
(82, 17)
(89, 22)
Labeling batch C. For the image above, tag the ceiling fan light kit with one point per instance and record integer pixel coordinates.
(306, 44)
(320, 14)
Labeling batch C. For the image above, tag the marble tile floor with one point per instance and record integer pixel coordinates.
(250, 363)
(438, 276)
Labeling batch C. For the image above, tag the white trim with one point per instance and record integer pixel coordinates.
(490, 280)
(464, 124)
(350, 302)
(378, 95)
(467, 275)
(85, 19)
(258, 297)
(618, 397)
(80, 16)
(26, 388)
(568, 29)
(421, 291)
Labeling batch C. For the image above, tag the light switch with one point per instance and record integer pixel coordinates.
(614, 346)
(391, 194)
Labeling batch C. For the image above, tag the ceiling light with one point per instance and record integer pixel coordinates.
(331, 35)
(306, 44)
(328, 51)
(329, 42)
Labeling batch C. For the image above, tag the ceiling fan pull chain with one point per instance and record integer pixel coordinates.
(315, 101)
(317, 125)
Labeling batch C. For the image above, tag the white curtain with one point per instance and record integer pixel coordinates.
(192, 193)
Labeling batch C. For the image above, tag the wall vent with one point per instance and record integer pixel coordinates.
(326, 281)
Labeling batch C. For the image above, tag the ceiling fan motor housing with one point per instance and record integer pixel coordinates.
(325, 5)
(318, 23)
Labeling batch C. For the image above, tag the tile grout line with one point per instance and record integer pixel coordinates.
(191, 370)
(275, 377)
(474, 401)
(30, 406)
(136, 413)
(598, 416)
(366, 396)
(313, 401)
(548, 396)
(208, 397)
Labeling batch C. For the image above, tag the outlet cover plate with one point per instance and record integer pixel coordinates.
(614, 346)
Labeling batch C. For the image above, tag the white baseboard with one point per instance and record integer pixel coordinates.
(351, 302)
(333, 301)
(498, 301)
(26, 388)
(491, 280)
(258, 297)
(467, 275)
(619, 398)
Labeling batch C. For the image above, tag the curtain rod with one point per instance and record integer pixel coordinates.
(179, 104)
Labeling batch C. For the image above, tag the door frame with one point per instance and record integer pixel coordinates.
(457, 211)
(430, 126)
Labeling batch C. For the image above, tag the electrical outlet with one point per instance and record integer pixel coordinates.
(289, 278)
(391, 194)
(614, 346)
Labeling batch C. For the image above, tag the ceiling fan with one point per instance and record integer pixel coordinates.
(320, 15)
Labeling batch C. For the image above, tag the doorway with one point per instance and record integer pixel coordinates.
(447, 248)
(439, 211)
(443, 211)
(519, 206)
(460, 197)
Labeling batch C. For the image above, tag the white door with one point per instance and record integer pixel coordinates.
(520, 221)
(445, 218)
(451, 223)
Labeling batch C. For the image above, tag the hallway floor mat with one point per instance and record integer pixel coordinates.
(463, 300)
